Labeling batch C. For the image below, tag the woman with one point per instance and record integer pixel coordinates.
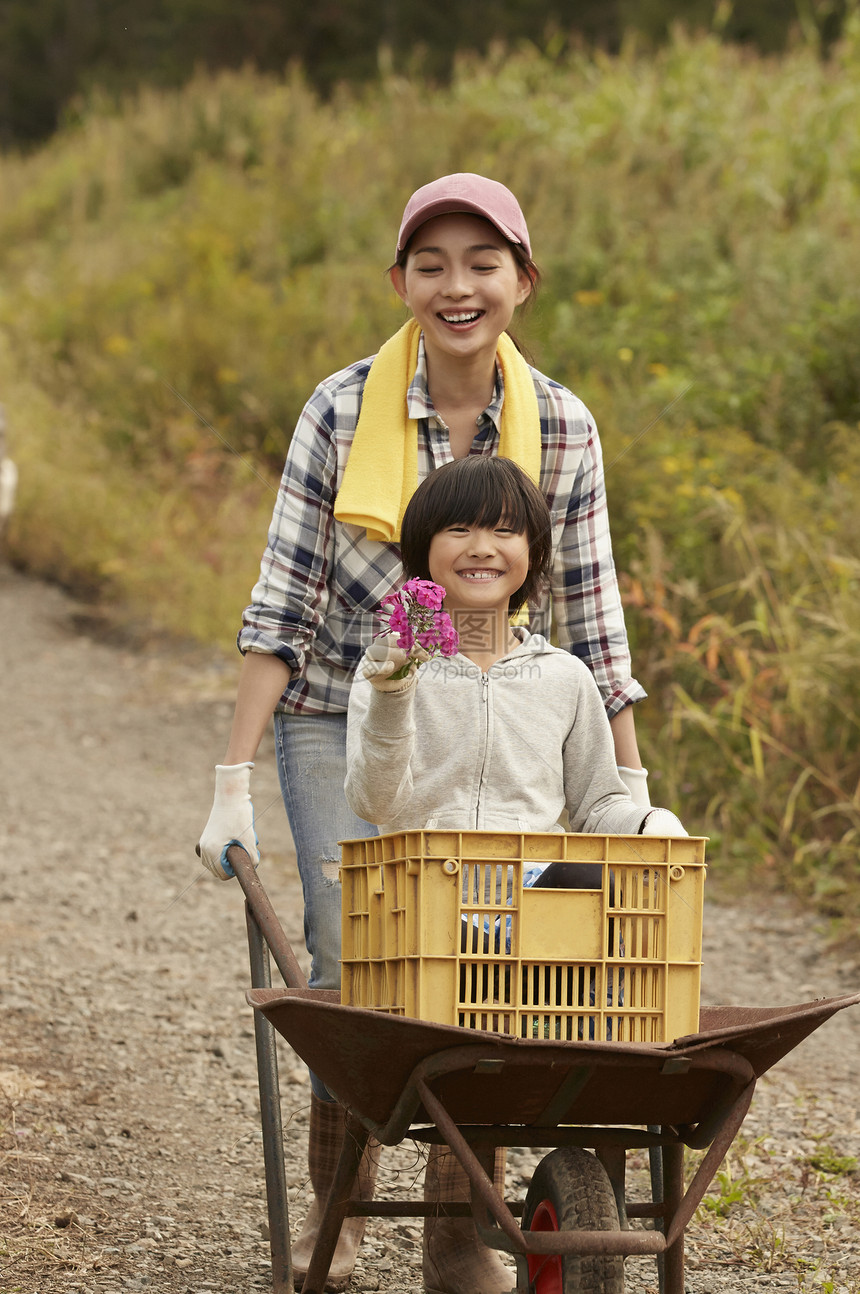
(449, 384)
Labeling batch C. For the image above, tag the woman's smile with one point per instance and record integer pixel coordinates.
(460, 319)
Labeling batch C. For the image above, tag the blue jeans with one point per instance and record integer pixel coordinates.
(311, 752)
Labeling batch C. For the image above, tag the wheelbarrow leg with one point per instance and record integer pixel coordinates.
(655, 1165)
(673, 1191)
(270, 1118)
(337, 1206)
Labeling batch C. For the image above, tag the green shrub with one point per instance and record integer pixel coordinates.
(176, 276)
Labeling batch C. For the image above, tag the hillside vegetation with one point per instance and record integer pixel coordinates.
(177, 275)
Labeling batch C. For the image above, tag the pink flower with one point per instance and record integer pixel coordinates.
(450, 640)
(398, 623)
(415, 616)
(425, 593)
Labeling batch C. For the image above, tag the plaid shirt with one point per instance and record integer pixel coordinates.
(322, 581)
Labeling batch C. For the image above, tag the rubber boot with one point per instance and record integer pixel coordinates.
(455, 1260)
(325, 1139)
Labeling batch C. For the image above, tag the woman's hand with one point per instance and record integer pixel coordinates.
(662, 822)
(636, 781)
(231, 821)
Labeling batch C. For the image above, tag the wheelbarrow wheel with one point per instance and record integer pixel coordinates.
(570, 1191)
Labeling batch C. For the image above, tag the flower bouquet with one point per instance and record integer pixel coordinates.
(415, 617)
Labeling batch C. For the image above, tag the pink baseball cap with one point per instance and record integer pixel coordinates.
(474, 194)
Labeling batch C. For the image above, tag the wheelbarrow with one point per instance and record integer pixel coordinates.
(587, 1102)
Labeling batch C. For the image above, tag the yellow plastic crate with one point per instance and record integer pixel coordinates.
(437, 925)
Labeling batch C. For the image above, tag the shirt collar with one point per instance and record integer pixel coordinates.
(419, 404)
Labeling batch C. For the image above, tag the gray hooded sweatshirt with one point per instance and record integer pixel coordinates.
(505, 750)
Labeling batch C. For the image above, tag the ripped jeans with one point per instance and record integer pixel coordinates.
(311, 753)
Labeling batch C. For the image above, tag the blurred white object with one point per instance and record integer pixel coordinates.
(8, 487)
(8, 477)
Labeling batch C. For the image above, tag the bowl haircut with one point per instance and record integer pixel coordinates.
(479, 491)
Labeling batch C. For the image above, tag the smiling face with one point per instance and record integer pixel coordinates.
(479, 566)
(462, 284)
(480, 527)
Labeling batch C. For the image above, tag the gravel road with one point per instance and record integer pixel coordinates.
(129, 1134)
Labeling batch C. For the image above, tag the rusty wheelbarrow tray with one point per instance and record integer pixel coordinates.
(404, 1078)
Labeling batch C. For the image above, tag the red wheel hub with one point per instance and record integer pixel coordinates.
(545, 1275)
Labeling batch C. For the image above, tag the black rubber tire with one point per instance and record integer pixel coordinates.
(573, 1185)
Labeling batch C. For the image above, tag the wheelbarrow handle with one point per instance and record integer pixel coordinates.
(264, 914)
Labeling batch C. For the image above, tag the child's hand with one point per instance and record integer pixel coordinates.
(384, 658)
(662, 822)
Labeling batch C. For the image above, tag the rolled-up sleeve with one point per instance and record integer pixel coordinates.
(288, 601)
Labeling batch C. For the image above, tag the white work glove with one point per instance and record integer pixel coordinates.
(636, 781)
(231, 821)
(384, 658)
(662, 822)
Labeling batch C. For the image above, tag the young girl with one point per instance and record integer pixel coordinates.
(449, 385)
(509, 733)
(504, 736)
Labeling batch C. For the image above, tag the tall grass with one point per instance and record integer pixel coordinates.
(177, 274)
(759, 699)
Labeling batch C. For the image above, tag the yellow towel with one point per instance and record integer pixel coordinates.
(381, 473)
